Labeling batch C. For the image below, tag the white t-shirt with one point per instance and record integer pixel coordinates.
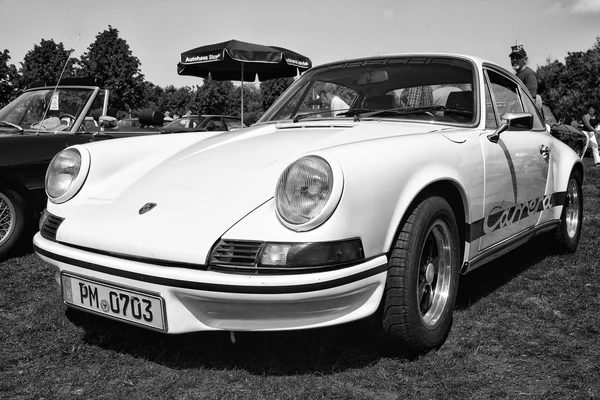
(338, 104)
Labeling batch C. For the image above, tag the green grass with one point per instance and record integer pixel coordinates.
(526, 327)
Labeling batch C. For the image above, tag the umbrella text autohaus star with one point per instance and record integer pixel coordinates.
(235, 60)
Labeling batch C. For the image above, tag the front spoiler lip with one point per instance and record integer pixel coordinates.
(211, 287)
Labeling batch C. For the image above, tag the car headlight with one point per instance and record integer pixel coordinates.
(66, 173)
(307, 193)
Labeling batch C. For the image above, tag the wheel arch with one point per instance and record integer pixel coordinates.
(453, 193)
(9, 181)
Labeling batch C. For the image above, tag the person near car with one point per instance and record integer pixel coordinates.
(590, 123)
(518, 61)
(330, 98)
(417, 96)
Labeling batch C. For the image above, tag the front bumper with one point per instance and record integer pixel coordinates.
(206, 300)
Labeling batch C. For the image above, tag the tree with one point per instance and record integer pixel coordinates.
(252, 103)
(110, 61)
(214, 97)
(8, 79)
(45, 63)
(569, 87)
(176, 100)
(271, 90)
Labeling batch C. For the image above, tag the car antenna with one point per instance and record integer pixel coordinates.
(57, 83)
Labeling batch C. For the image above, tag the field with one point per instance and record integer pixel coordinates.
(526, 327)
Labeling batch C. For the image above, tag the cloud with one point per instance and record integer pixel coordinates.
(575, 6)
(584, 6)
(389, 14)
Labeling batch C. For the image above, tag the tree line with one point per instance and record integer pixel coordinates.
(110, 62)
(566, 87)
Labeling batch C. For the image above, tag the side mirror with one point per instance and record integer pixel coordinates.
(512, 122)
(106, 121)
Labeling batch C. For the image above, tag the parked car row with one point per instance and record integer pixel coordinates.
(370, 205)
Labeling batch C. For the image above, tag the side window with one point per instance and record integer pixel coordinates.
(98, 104)
(506, 94)
(490, 115)
(531, 108)
(548, 116)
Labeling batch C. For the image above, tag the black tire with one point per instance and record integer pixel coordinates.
(568, 231)
(12, 220)
(419, 299)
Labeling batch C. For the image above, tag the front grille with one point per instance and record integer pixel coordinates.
(50, 224)
(236, 254)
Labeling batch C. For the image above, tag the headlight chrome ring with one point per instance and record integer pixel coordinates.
(308, 192)
(66, 174)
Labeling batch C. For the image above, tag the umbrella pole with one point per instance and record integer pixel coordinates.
(242, 118)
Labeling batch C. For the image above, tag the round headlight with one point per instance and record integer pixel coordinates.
(66, 173)
(307, 192)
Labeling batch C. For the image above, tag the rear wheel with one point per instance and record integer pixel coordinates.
(12, 220)
(568, 232)
(422, 280)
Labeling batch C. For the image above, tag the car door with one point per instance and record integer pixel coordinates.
(516, 165)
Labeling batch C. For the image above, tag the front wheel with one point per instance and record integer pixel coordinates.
(422, 280)
(12, 220)
(568, 231)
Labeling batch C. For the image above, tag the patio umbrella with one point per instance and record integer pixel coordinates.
(235, 60)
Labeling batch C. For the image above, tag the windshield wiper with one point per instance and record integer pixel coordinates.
(340, 111)
(416, 110)
(10, 124)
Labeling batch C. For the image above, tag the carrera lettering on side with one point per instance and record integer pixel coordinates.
(500, 217)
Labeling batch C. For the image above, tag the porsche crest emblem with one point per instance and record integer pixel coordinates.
(147, 207)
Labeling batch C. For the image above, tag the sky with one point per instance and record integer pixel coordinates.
(158, 31)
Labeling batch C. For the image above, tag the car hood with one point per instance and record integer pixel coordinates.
(200, 187)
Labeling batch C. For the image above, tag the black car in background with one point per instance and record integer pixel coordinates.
(566, 133)
(201, 123)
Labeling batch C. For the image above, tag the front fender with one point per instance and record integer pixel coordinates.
(382, 178)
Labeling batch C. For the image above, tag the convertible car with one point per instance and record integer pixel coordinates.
(426, 167)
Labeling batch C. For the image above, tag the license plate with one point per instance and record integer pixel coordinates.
(113, 301)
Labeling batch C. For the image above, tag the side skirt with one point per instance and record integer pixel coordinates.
(507, 245)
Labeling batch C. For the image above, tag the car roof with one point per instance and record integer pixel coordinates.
(475, 59)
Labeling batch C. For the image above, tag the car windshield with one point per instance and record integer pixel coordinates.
(45, 109)
(185, 122)
(424, 89)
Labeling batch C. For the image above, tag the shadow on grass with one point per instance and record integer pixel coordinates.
(321, 351)
(23, 248)
(490, 277)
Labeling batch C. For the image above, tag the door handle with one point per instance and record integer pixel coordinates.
(545, 152)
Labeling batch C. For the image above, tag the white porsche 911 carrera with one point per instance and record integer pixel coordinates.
(364, 191)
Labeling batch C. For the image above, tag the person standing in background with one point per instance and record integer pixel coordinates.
(518, 61)
(330, 98)
(590, 123)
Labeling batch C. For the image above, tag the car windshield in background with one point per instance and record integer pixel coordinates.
(45, 109)
(428, 89)
(188, 122)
